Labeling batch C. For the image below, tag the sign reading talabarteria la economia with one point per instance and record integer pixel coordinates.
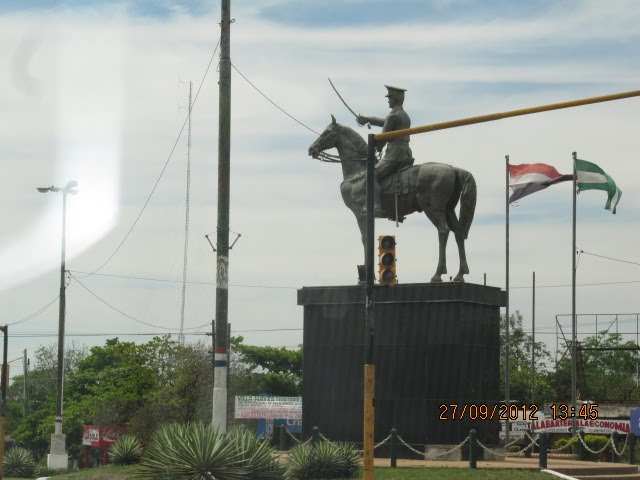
(270, 408)
(599, 426)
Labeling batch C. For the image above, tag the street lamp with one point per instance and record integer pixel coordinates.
(58, 458)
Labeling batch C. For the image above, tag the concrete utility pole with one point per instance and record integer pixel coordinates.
(221, 354)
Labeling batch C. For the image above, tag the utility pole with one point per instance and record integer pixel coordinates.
(25, 368)
(5, 384)
(221, 354)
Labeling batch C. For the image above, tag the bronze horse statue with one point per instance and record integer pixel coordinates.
(432, 188)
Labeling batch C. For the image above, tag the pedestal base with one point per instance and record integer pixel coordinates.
(436, 348)
(58, 458)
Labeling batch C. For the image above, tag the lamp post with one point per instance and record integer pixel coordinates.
(58, 458)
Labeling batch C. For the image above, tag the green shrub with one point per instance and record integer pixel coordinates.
(324, 460)
(18, 462)
(126, 451)
(257, 455)
(562, 442)
(596, 442)
(194, 451)
(514, 448)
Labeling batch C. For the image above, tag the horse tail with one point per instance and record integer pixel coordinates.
(467, 200)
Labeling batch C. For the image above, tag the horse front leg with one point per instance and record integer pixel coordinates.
(362, 225)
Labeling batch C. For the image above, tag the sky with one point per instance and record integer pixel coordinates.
(98, 92)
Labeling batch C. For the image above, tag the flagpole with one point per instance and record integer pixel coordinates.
(533, 340)
(574, 326)
(507, 380)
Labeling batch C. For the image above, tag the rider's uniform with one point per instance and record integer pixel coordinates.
(398, 153)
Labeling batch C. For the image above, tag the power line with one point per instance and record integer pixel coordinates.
(126, 314)
(36, 313)
(579, 284)
(151, 279)
(609, 258)
(122, 334)
(274, 103)
(135, 222)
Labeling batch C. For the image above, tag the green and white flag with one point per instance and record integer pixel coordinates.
(590, 176)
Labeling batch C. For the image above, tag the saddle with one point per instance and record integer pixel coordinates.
(394, 188)
(398, 183)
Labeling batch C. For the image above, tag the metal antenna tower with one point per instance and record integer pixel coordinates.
(186, 223)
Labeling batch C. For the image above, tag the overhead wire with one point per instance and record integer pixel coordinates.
(609, 258)
(135, 222)
(272, 102)
(126, 314)
(33, 315)
(151, 279)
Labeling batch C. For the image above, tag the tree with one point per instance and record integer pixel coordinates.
(606, 369)
(31, 421)
(520, 347)
(265, 370)
(120, 383)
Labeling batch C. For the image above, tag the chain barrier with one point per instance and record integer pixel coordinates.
(559, 449)
(624, 447)
(379, 444)
(293, 437)
(449, 452)
(401, 440)
(595, 452)
(487, 449)
(511, 443)
(325, 438)
(531, 445)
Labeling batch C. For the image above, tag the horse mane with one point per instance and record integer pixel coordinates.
(355, 139)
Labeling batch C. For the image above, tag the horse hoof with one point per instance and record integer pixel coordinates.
(459, 279)
(436, 279)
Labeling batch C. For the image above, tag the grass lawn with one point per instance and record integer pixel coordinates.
(110, 473)
(129, 473)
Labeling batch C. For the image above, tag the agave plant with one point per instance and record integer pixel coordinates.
(192, 452)
(258, 456)
(126, 451)
(325, 460)
(18, 462)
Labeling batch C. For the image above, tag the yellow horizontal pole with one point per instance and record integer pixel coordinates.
(498, 116)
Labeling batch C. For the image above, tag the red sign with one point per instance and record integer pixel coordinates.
(101, 436)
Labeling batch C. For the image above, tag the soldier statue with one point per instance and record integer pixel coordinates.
(398, 153)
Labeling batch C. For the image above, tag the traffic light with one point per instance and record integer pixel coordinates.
(387, 260)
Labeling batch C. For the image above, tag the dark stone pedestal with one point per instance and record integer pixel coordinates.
(434, 344)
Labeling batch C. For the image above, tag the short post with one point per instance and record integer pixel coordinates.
(527, 453)
(614, 440)
(542, 458)
(582, 454)
(315, 435)
(632, 448)
(472, 449)
(394, 448)
(282, 439)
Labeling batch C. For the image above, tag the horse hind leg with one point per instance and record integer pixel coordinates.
(454, 224)
(438, 218)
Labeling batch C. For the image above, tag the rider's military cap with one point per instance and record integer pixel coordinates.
(391, 90)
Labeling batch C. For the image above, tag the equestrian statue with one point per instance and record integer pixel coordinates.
(401, 188)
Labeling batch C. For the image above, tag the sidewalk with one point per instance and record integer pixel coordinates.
(509, 462)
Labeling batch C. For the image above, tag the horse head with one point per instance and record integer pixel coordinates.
(327, 139)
